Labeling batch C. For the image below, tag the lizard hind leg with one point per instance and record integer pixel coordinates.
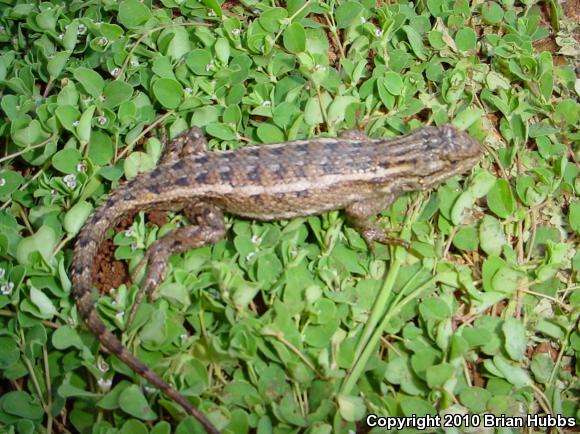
(361, 214)
(188, 143)
(207, 227)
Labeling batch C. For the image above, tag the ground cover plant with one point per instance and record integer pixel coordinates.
(291, 326)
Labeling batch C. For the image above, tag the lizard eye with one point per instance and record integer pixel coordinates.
(454, 162)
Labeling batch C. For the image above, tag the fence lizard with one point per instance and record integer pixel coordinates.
(268, 182)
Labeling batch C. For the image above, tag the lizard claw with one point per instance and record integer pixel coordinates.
(373, 234)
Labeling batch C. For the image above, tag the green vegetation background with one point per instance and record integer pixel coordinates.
(292, 325)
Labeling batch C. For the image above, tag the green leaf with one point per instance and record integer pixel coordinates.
(66, 161)
(542, 366)
(550, 329)
(466, 118)
(200, 62)
(22, 405)
(491, 12)
(221, 131)
(294, 38)
(506, 280)
(91, 81)
(312, 112)
(347, 14)
(351, 408)
(133, 13)
(482, 182)
(65, 337)
(393, 83)
(69, 116)
(546, 85)
(268, 133)
(567, 111)
(132, 402)
(416, 41)
(9, 182)
(466, 239)
(271, 383)
(271, 18)
(32, 134)
(117, 92)
(337, 108)
(475, 398)
(85, 123)
(465, 39)
(43, 303)
(515, 338)
(162, 427)
(133, 426)
(136, 163)
(43, 241)
(76, 217)
(9, 352)
(514, 374)
(434, 309)
(214, 5)
(459, 347)
(463, 202)
(416, 407)
(491, 235)
(438, 375)
(174, 42)
(244, 294)
(112, 32)
(101, 149)
(222, 50)
(168, 92)
(57, 63)
(500, 199)
(498, 276)
(46, 19)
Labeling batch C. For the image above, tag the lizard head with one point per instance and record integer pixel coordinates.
(440, 153)
(454, 150)
(450, 143)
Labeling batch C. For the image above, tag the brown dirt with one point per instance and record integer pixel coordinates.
(542, 348)
(158, 218)
(572, 10)
(549, 44)
(108, 272)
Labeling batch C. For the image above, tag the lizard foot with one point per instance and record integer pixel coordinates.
(207, 229)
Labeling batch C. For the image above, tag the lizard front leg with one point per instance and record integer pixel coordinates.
(354, 134)
(189, 143)
(207, 228)
(361, 214)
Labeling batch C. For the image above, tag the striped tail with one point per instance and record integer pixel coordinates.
(86, 249)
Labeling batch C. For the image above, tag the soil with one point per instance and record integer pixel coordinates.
(108, 272)
(572, 10)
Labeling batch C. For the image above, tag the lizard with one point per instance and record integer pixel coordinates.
(352, 172)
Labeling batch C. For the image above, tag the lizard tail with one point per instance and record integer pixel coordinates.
(86, 249)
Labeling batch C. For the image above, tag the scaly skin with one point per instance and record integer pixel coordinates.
(267, 182)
